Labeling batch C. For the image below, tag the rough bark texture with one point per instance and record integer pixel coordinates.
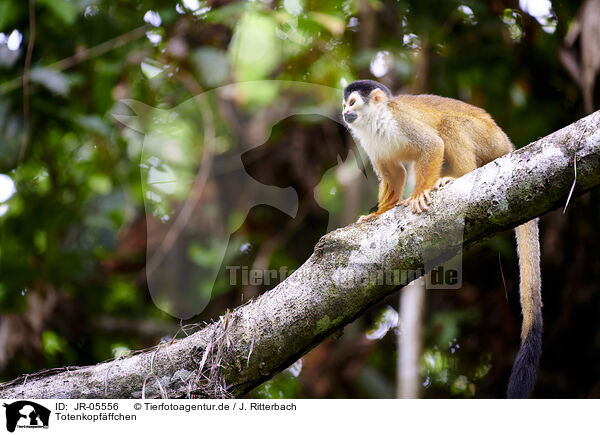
(254, 342)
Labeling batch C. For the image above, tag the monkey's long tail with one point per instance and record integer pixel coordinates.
(524, 369)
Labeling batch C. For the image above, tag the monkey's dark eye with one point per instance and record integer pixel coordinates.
(352, 103)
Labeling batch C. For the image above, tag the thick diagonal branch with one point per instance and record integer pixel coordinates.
(341, 279)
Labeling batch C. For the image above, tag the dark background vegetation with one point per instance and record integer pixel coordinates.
(73, 236)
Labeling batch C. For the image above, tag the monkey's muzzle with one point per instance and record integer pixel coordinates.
(350, 117)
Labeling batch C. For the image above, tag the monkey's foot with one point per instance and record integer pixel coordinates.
(442, 182)
(418, 202)
(367, 217)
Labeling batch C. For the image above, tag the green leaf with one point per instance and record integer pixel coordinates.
(151, 68)
(333, 24)
(8, 12)
(65, 10)
(100, 183)
(52, 343)
(41, 240)
(255, 50)
(120, 350)
(122, 295)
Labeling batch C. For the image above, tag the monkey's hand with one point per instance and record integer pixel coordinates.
(367, 217)
(442, 182)
(418, 202)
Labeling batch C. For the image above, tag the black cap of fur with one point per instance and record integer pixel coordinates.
(364, 88)
(522, 377)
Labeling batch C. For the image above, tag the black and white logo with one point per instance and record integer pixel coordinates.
(26, 414)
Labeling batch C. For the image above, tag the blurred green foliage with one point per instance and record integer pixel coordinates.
(70, 226)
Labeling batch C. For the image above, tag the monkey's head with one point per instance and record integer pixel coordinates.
(362, 99)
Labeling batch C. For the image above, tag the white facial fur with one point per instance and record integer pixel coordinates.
(375, 128)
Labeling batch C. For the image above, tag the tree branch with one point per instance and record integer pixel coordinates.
(340, 280)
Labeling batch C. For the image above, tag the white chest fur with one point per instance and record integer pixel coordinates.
(379, 135)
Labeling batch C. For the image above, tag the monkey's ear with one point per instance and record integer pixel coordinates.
(377, 96)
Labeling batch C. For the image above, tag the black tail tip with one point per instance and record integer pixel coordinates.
(522, 378)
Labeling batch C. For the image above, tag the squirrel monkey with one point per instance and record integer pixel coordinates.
(445, 138)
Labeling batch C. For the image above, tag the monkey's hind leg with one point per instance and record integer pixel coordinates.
(388, 198)
(427, 171)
